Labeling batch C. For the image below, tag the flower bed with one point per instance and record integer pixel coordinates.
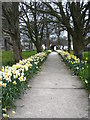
(78, 67)
(13, 80)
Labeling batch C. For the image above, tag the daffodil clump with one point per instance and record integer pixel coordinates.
(13, 80)
(49, 51)
(78, 66)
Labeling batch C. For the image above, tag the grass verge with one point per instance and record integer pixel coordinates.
(7, 56)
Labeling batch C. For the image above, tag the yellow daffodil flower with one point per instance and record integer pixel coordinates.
(14, 83)
(5, 115)
(0, 83)
(4, 109)
(13, 112)
(4, 84)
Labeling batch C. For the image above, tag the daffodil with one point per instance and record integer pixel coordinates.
(13, 112)
(9, 79)
(0, 83)
(15, 76)
(86, 81)
(86, 58)
(2, 69)
(14, 72)
(4, 84)
(77, 68)
(21, 79)
(12, 75)
(24, 79)
(23, 70)
(26, 68)
(36, 63)
(5, 115)
(37, 67)
(82, 68)
(4, 109)
(14, 83)
(0, 77)
(30, 65)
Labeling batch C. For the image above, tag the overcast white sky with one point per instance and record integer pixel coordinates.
(54, 0)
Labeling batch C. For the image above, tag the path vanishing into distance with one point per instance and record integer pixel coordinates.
(54, 93)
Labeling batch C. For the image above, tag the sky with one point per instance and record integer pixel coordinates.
(54, 0)
(63, 33)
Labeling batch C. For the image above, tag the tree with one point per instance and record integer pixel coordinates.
(33, 23)
(75, 16)
(78, 25)
(11, 17)
(47, 34)
(69, 42)
(58, 29)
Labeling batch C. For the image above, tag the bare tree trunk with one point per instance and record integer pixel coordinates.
(31, 45)
(58, 42)
(38, 47)
(78, 46)
(24, 45)
(17, 51)
(69, 43)
(12, 18)
(5, 42)
(47, 35)
(58, 37)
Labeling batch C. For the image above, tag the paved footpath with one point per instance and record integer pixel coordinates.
(55, 93)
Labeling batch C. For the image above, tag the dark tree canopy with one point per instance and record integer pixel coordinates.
(39, 20)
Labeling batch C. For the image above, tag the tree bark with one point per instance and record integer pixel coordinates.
(69, 43)
(11, 13)
(17, 50)
(78, 45)
(31, 45)
(5, 42)
(38, 47)
(47, 36)
(58, 37)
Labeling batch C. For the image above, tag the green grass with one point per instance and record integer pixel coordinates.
(86, 54)
(26, 54)
(7, 56)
